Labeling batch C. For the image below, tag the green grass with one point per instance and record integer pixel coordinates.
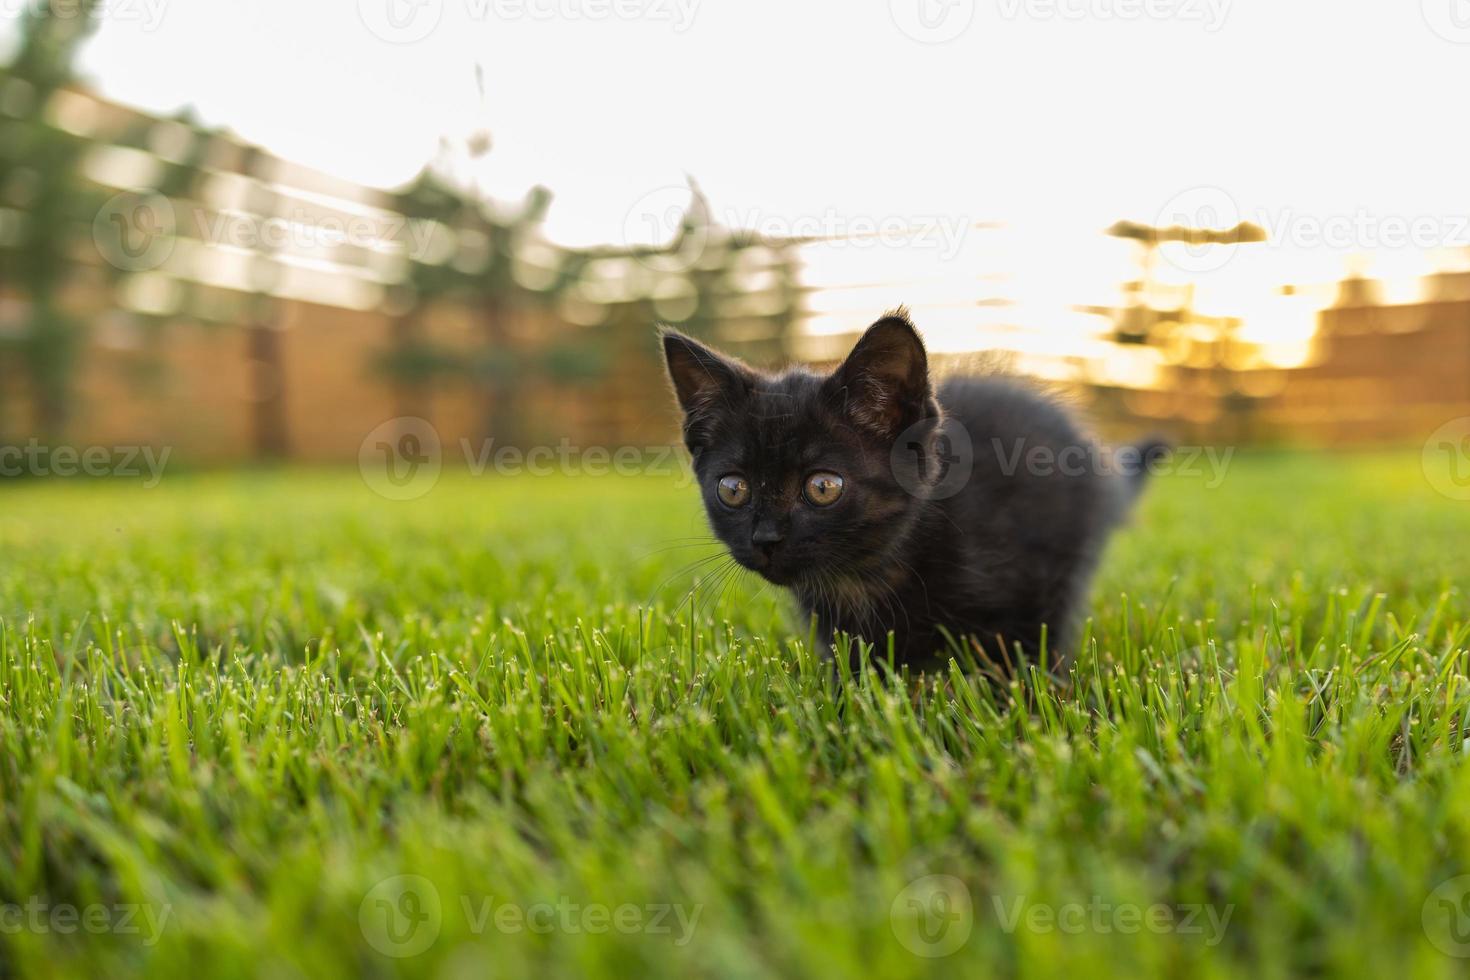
(244, 702)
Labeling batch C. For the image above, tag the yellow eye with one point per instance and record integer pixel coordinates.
(823, 489)
(733, 490)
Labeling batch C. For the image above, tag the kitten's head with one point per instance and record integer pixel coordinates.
(795, 468)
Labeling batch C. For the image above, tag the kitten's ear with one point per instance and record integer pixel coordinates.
(704, 381)
(883, 386)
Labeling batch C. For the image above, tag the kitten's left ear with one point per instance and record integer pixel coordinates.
(701, 377)
(707, 384)
(884, 384)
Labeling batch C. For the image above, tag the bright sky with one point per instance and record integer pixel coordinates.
(1314, 117)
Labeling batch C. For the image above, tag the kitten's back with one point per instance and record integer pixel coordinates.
(1040, 499)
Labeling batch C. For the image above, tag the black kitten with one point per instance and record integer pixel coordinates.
(887, 507)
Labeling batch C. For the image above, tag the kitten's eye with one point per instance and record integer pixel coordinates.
(733, 490)
(823, 489)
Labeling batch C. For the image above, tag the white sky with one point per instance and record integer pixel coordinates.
(1057, 116)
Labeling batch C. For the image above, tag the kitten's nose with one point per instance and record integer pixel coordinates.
(765, 537)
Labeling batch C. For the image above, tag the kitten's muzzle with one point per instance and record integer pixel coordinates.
(765, 546)
(764, 541)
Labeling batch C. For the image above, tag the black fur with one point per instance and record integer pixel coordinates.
(906, 549)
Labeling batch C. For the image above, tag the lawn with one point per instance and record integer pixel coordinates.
(276, 725)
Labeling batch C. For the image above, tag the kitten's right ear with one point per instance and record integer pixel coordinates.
(703, 379)
(884, 384)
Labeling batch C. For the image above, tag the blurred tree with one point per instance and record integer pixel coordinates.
(503, 298)
(41, 180)
(267, 369)
(492, 260)
(182, 170)
(432, 207)
(471, 259)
